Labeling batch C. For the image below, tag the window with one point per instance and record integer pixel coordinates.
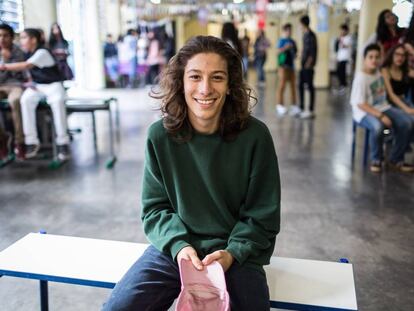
(11, 13)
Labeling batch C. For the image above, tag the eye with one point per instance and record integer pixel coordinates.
(194, 77)
(218, 78)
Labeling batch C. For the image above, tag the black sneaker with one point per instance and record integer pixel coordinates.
(63, 152)
(31, 151)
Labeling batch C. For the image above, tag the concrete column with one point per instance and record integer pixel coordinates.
(368, 17)
(180, 32)
(193, 27)
(39, 14)
(272, 31)
(113, 18)
(319, 23)
(87, 45)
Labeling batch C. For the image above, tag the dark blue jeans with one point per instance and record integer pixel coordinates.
(259, 63)
(306, 78)
(402, 130)
(153, 283)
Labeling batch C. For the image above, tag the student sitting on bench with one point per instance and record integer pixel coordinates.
(211, 189)
(371, 110)
(47, 83)
(11, 87)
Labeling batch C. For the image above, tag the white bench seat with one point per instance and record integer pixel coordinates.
(294, 284)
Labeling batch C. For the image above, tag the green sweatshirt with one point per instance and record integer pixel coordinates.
(212, 194)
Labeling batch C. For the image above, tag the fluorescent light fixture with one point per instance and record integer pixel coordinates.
(238, 1)
(156, 1)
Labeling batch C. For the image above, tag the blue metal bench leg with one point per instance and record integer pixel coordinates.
(354, 128)
(366, 147)
(44, 296)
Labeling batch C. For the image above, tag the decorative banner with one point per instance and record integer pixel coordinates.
(323, 18)
(261, 13)
(202, 16)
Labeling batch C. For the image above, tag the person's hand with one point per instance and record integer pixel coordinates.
(222, 256)
(2, 67)
(386, 121)
(410, 110)
(190, 253)
(5, 54)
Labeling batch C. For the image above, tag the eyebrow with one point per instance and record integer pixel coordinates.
(214, 72)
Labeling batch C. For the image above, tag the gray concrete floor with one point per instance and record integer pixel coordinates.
(329, 208)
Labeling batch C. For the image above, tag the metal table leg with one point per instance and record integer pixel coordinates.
(111, 162)
(95, 143)
(44, 297)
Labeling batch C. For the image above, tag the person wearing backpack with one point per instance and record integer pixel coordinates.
(286, 48)
(47, 83)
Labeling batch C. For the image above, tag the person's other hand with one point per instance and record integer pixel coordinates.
(189, 253)
(222, 256)
(387, 121)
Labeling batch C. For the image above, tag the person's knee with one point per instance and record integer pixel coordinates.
(14, 102)
(377, 129)
(29, 97)
(404, 126)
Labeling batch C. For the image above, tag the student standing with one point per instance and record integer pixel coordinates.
(343, 56)
(308, 62)
(286, 49)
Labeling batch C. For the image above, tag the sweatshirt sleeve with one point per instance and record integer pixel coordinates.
(259, 217)
(162, 225)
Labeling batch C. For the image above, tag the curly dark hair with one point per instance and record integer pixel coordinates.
(389, 59)
(236, 109)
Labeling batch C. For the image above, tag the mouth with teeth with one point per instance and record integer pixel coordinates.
(205, 102)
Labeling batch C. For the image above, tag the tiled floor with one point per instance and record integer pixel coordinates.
(329, 208)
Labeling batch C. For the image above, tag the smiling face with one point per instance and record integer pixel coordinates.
(205, 90)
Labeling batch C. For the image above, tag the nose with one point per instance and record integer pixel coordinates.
(205, 87)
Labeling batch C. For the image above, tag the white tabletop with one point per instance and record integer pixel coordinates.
(292, 282)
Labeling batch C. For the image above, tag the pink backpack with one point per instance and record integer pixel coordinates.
(202, 290)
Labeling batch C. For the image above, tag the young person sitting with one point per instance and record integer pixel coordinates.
(211, 189)
(397, 81)
(371, 110)
(11, 87)
(47, 84)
